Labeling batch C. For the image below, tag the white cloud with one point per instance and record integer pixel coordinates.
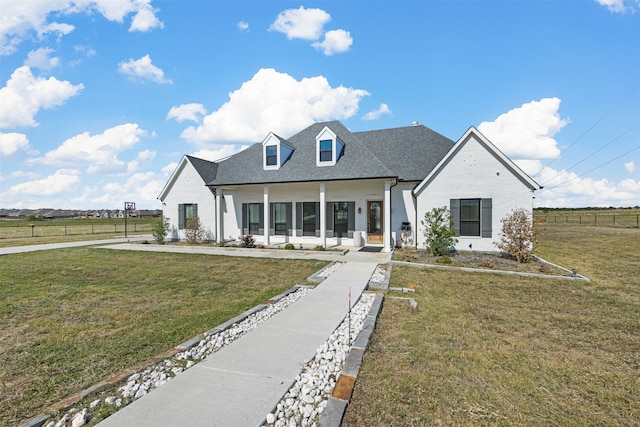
(219, 154)
(301, 23)
(527, 132)
(11, 143)
(64, 180)
(142, 69)
(619, 6)
(40, 58)
(168, 169)
(273, 101)
(24, 95)
(184, 112)
(141, 188)
(630, 166)
(377, 113)
(568, 189)
(98, 152)
(147, 155)
(335, 41)
(243, 26)
(145, 20)
(21, 19)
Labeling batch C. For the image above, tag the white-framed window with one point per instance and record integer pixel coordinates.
(271, 155)
(329, 148)
(275, 152)
(186, 211)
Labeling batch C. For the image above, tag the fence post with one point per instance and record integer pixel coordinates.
(65, 229)
(580, 219)
(595, 220)
(614, 220)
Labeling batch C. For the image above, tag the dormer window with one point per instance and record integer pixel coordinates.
(326, 150)
(271, 153)
(275, 152)
(329, 148)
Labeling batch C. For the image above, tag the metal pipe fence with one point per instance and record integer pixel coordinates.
(597, 220)
(45, 230)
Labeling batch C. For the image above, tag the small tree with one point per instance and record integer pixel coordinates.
(518, 237)
(438, 231)
(193, 231)
(159, 229)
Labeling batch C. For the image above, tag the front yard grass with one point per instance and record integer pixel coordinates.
(72, 317)
(503, 350)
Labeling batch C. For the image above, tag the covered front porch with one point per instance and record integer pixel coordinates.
(349, 214)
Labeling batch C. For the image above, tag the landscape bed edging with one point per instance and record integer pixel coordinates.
(40, 420)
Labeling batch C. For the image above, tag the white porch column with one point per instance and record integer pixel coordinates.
(323, 218)
(266, 215)
(387, 216)
(219, 201)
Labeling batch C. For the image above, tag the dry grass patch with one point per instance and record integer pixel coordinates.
(73, 317)
(499, 350)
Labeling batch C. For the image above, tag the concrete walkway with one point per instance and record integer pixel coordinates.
(30, 248)
(242, 382)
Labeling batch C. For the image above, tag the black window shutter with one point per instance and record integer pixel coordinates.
(329, 218)
(298, 219)
(272, 219)
(317, 219)
(486, 207)
(289, 219)
(180, 217)
(351, 219)
(261, 223)
(455, 214)
(245, 219)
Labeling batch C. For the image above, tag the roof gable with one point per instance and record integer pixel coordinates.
(473, 133)
(205, 168)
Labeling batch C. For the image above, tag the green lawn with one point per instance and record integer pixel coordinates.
(72, 317)
(497, 350)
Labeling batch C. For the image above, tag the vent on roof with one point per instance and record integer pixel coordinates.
(415, 123)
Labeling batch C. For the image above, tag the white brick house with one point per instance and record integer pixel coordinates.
(329, 186)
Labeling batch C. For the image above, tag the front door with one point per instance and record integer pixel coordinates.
(374, 222)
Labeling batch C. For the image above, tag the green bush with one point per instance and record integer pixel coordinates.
(159, 229)
(444, 260)
(319, 248)
(438, 231)
(289, 246)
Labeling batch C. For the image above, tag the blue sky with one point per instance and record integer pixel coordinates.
(99, 100)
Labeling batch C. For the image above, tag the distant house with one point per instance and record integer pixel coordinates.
(329, 186)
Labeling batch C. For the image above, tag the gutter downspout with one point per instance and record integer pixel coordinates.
(395, 182)
(415, 203)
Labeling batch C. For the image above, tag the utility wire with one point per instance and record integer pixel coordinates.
(591, 170)
(572, 144)
(590, 155)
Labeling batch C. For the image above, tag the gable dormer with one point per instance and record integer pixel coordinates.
(329, 148)
(274, 152)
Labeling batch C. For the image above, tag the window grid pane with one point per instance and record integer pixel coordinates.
(340, 219)
(309, 219)
(280, 218)
(272, 155)
(326, 152)
(470, 217)
(254, 218)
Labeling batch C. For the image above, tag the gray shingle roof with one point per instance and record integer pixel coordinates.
(408, 153)
(206, 169)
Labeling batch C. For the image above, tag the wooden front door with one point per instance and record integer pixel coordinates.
(375, 222)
